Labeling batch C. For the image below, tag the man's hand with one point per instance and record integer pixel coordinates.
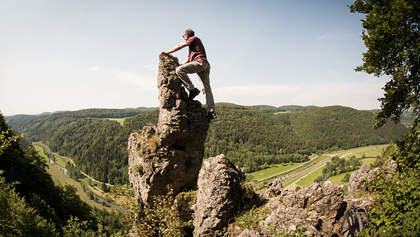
(180, 46)
(165, 52)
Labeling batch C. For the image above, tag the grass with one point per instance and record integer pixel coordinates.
(59, 160)
(119, 120)
(41, 153)
(251, 219)
(368, 151)
(61, 179)
(338, 178)
(309, 179)
(274, 169)
(368, 161)
(335, 179)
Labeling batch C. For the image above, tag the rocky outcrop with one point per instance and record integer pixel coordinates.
(359, 178)
(319, 209)
(220, 196)
(168, 155)
(274, 188)
(289, 219)
(325, 198)
(316, 210)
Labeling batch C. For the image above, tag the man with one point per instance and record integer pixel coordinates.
(195, 63)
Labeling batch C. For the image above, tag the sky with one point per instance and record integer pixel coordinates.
(60, 55)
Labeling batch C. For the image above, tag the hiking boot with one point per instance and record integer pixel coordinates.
(211, 115)
(193, 93)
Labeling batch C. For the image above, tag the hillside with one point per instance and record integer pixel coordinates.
(29, 199)
(251, 136)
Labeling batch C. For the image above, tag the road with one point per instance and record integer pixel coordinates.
(294, 175)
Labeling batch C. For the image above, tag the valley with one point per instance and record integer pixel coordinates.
(89, 189)
(303, 174)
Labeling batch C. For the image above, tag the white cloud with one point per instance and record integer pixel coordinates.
(143, 81)
(95, 68)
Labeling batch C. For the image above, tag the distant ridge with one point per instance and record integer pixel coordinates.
(251, 136)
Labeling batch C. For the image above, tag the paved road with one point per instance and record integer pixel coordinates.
(312, 168)
(285, 172)
(296, 176)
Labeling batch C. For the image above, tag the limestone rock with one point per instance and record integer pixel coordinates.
(219, 197)
(358, 179)
(250, 233)
(289, 219)
(274, 188)
(315, 208)
(170, 154)
(325, 198)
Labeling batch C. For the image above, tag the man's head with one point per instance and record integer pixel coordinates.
(188, 33)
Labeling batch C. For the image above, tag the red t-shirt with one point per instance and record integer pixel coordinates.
(197, 51)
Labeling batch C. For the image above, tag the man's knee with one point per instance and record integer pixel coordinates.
(180, 70)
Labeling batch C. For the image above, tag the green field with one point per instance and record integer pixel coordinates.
(61, 179)
(59, 160)
(368, 161)
(338, 178)
(119, 120)
(368, 151)
(41, 153)
(309, 179)
(273, 170)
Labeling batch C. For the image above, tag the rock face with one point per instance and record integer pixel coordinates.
(293, 219)
(316, 209)
(324, 198)
(274, 189)
(358, 180)
(170, 154)
(220, 196)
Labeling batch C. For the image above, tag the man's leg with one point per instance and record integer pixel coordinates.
(205, 79)
(185, 69)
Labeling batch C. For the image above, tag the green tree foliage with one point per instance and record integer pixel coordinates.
(397, 211)
(253, 137)
(159, 217)
(338, 127)
(391, 33)
(25, 169)
(346, 178)
(339, 166)
(17, 218)
(392, 36)
(98, 146)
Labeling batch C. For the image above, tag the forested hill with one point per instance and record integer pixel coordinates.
(251, 136)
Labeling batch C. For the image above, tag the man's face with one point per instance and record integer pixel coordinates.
(186, 36)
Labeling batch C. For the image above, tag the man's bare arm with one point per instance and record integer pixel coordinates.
(176, 48)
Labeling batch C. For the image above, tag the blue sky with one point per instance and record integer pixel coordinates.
(69, 55)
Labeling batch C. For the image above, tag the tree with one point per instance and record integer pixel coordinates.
(392, 36)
